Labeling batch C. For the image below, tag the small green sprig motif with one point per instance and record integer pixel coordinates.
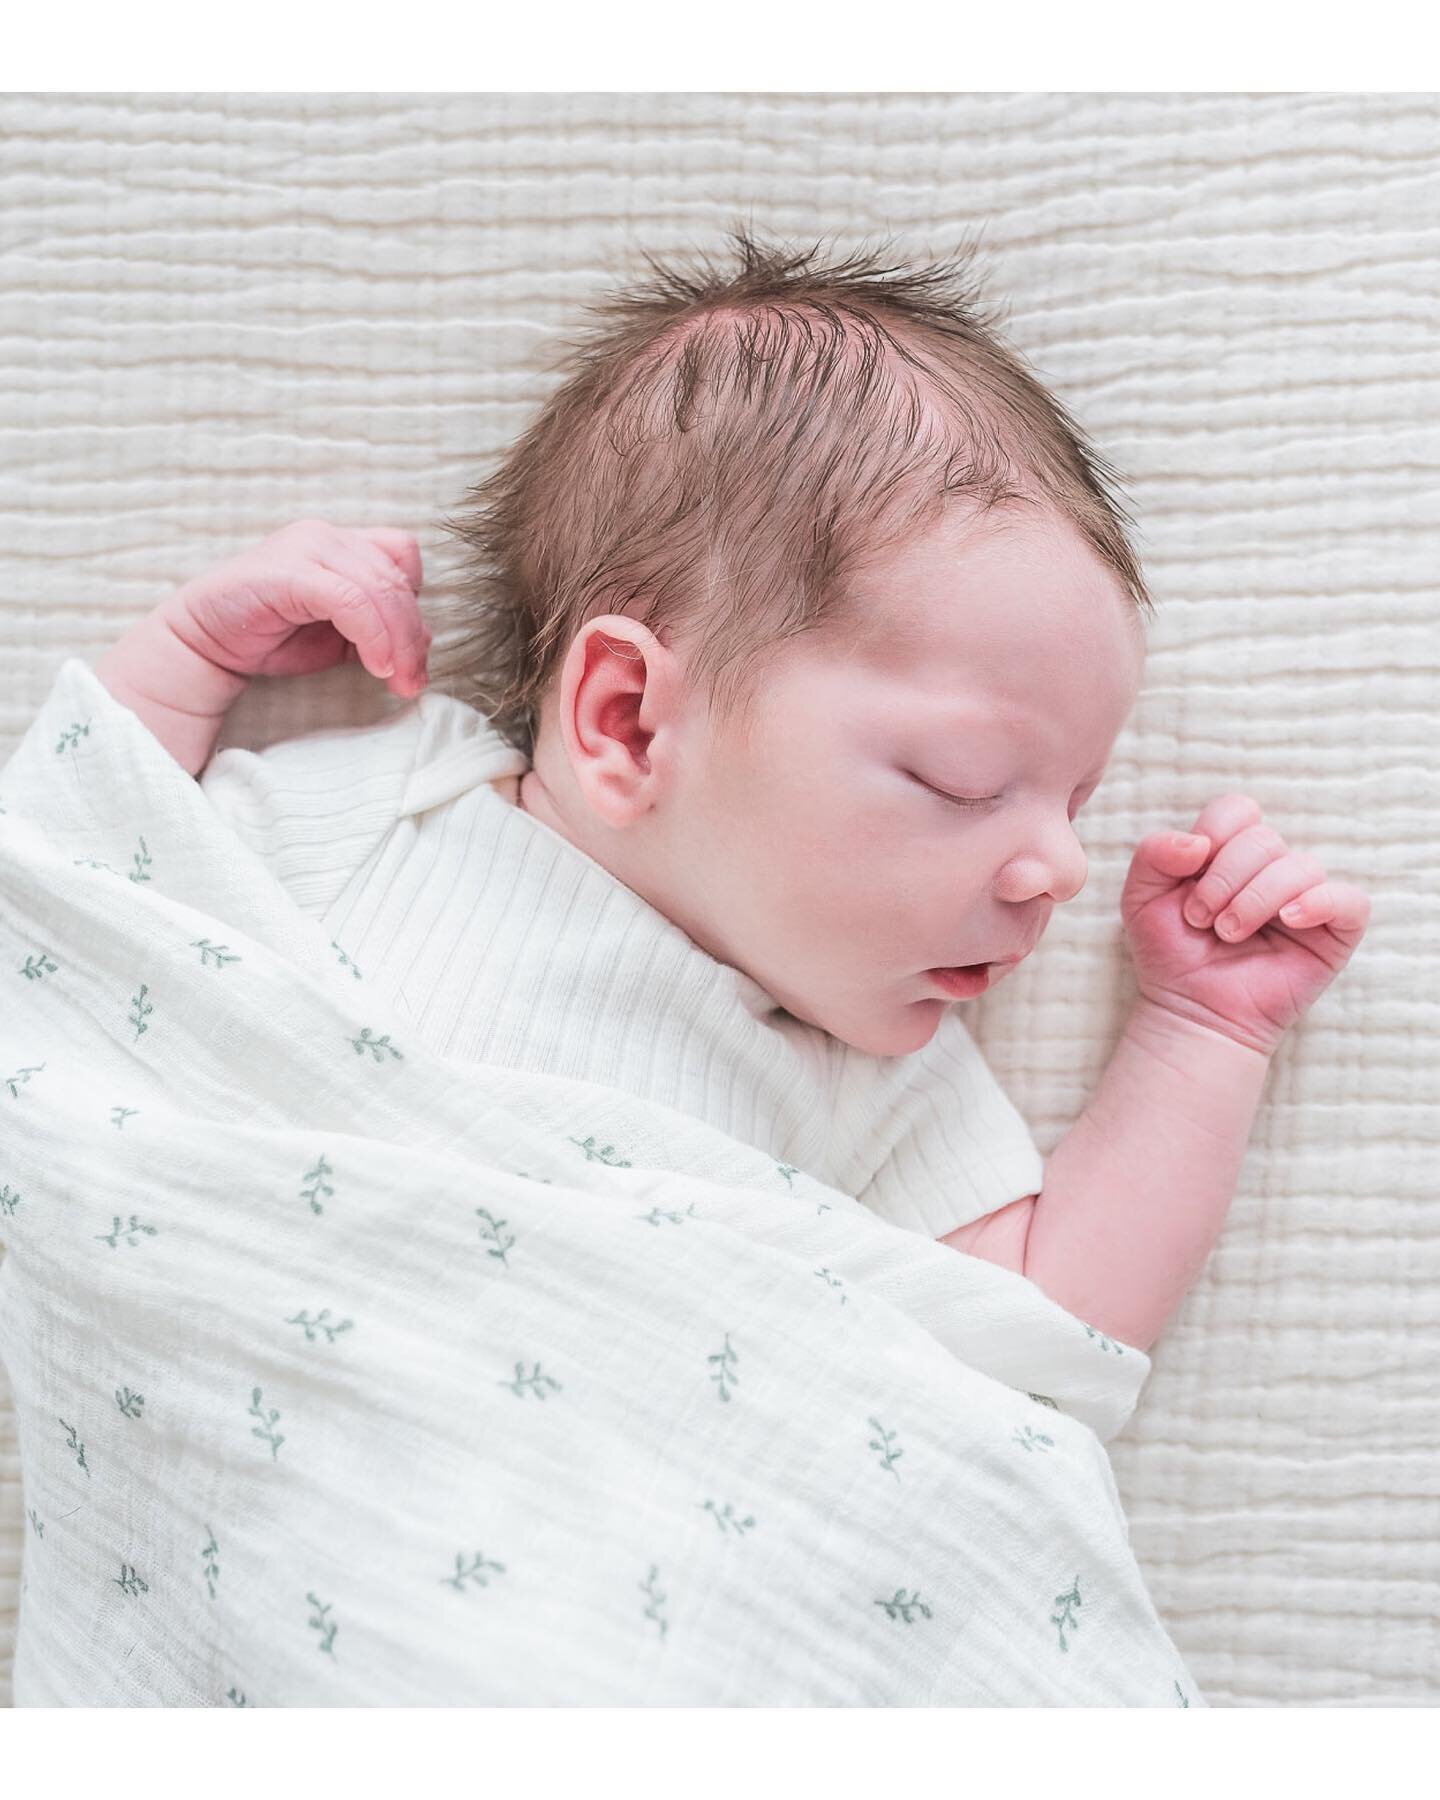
(129, 1404)
(374, 1045)
(788, 1170)
(34, 967)
(889, 1457)
(327, 1628)
(119, 1114)
(265, 1428)
(37, 1524)
(607, 1155)
(128, 1232)
(727, 1521)
(1066, 1616)
(830, 1280)
(141, 859)
(1181, 1694)
(236, 1698)
(902, 1608)
(476, 1572)
(531, 1383)
(73, 1443)
(725, 1372)
(1032, 1438)
(142, 1010)
(1044, 1400)
(656, 1214)
(129, 1582)
(492, 1228)
(207, 950)
(345, 960)
(317, 1176)
(318, 1324)
(21, 1075)
(9, 1201)
(650, 1588)
(71, 736)
(1105, 1342)
(210, 1556)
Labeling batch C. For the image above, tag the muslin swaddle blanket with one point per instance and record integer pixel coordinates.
(349, 1374)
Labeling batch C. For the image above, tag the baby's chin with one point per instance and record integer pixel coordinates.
(899, 1030)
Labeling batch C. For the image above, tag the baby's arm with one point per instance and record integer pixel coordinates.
(308, 597)
(179, 696)
(1234, 936)
(1137, 1190)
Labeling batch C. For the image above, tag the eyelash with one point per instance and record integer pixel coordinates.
(962, 800)
(954, 799)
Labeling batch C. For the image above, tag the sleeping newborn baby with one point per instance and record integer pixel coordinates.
(797, 631)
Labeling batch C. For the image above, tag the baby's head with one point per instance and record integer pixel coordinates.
(817, 618)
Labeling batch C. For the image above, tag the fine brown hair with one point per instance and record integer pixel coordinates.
(729, 446)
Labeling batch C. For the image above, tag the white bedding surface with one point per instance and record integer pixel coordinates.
(220, 313)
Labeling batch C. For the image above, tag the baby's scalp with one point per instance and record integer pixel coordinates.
(730, 448)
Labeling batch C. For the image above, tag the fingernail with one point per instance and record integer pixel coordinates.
(1198, 913)
(1187, 841)
(1291, 912)
(1227, 924)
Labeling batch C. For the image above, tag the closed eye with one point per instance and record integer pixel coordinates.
(954, 799)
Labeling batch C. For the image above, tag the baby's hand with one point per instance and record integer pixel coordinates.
(308, 597)
(1253, 982)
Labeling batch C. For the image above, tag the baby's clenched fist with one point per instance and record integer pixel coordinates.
(308, 597)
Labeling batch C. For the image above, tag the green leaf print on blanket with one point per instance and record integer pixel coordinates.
(326, 1627)
(319, 1324)
(492, 1229)
(888, 1456)
(210, 1556)
(901, 1608)
(265, 1428)
(475, 1572)
(535, 1383)
(727, 1521)
(207, 950)
(649, 1587)
(1066, 1616)
(727, 1359)
(321, 1186)
(131, 1233)
(13, 1082)
(73, 1443)
(142, 1011)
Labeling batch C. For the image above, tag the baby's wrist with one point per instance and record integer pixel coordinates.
(154, 664)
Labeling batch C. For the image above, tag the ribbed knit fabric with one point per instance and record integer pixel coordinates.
(502, 942)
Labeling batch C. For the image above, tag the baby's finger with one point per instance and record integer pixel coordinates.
(1342, 908)
(1161, 862)
(1255, 852)
(1243, 908)
(377, 604)
(403, 549)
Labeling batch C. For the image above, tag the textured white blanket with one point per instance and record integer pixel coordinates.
(348, 1374)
